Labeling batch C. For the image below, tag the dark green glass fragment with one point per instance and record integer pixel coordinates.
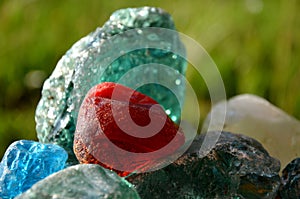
(290, 180)
(236, 167)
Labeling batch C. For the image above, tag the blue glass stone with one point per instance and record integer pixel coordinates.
(25, 163)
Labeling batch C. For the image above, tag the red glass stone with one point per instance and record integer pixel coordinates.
(124, 130)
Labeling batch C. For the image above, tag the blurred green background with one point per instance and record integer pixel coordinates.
(254, 43)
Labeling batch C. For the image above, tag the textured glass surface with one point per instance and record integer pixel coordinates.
(101, 57)
(120, 144)
(84, 181)
(236, 167)
(25, 163)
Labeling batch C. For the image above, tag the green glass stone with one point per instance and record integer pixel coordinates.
(106, 55)
(82, 181)
(236, 167)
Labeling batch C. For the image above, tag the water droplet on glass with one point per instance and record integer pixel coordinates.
(177, 81)
(168, 112)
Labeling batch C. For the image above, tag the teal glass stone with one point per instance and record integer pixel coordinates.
(123, 51)
(27, 162)
(85, 181)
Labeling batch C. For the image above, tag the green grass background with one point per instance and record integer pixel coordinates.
(254, 43)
